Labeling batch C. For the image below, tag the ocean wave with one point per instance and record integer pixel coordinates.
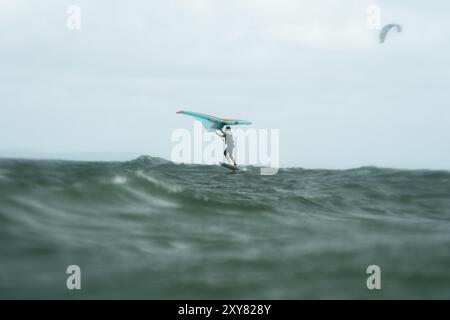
(182, 223)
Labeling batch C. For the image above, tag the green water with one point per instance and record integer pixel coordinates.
(150, 229)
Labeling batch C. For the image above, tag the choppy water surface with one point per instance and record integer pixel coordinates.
(152, 229)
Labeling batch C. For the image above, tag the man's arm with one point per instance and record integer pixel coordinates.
(221, 134)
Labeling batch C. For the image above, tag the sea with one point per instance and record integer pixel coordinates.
(152, 229)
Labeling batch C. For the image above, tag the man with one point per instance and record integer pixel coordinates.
(229, 141)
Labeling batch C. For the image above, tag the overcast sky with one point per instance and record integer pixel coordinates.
(312, 69)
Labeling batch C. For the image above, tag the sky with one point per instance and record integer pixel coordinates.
(312, 69)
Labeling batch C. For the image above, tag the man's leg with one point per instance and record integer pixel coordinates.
(229, 159)
(230, 154)
(225, 154)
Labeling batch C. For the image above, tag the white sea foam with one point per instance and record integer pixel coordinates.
(169, 187)
(119, 180)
